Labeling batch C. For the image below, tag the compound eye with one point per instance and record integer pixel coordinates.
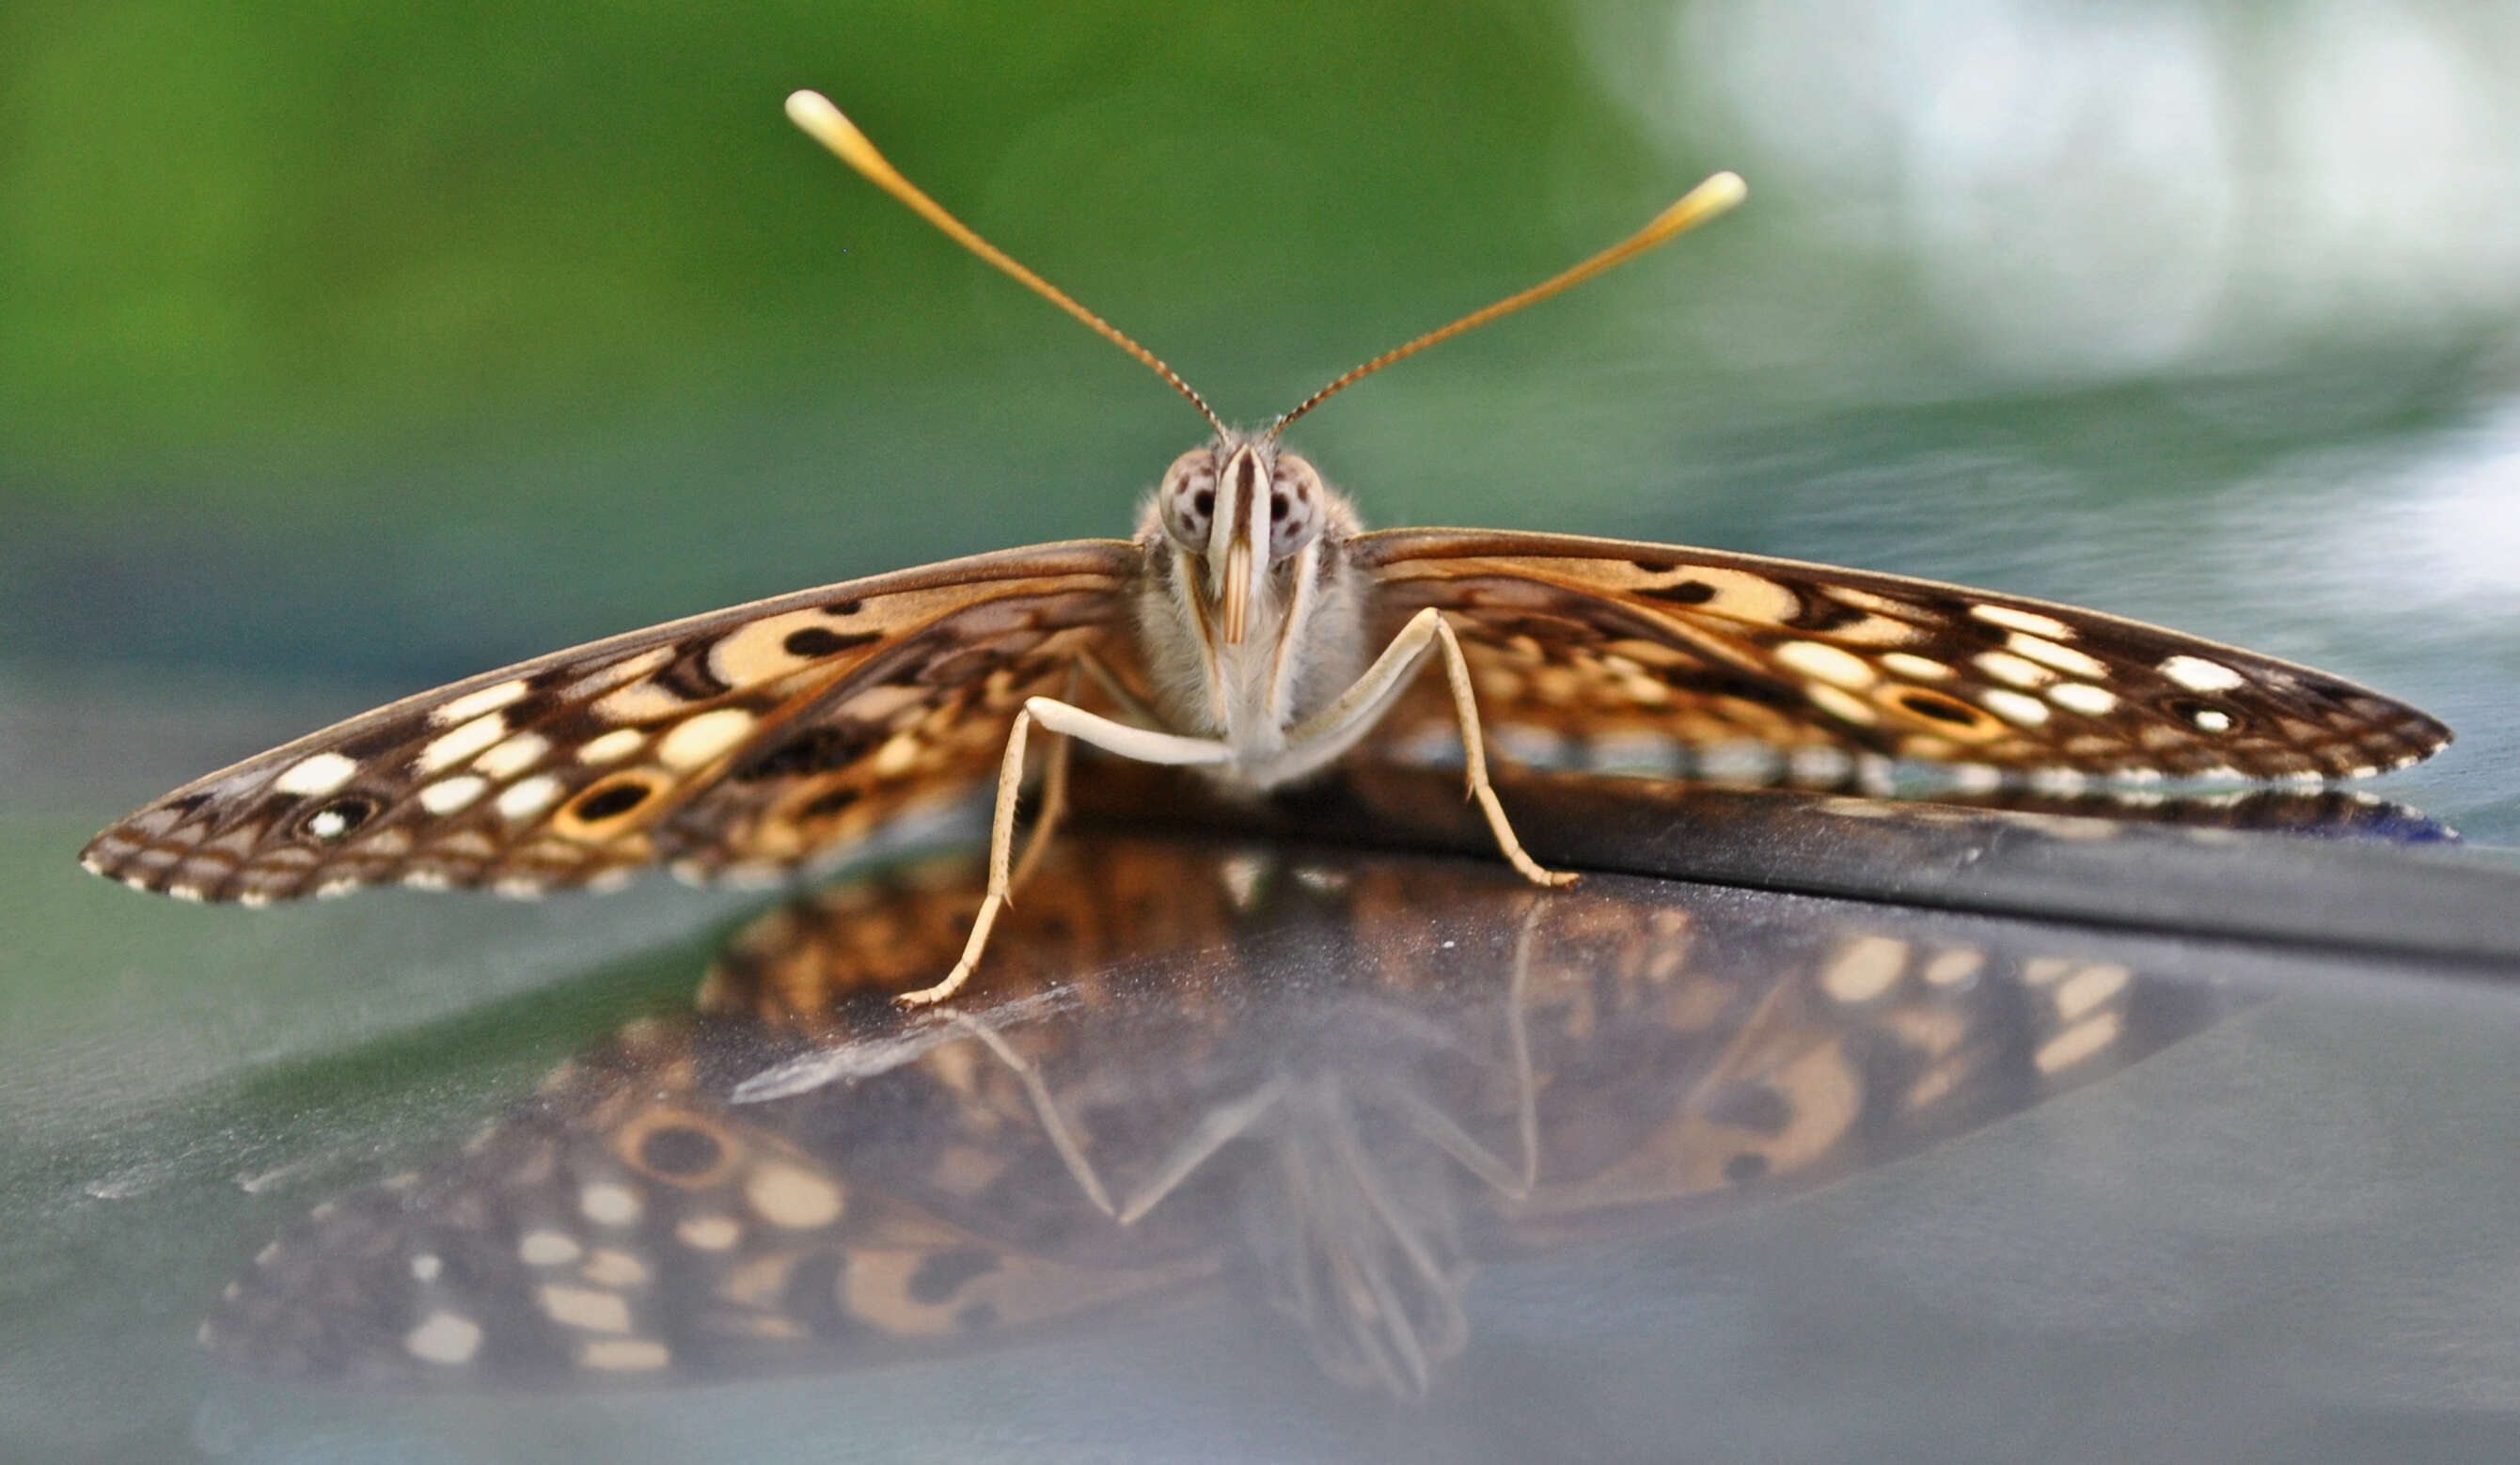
(1295, 506)
(1188, 498)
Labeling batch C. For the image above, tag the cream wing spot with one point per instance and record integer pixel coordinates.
(319, 775)
(587, 1308)
(547, 1248)
(448, 795)
(1916, 668)
(1842, 703)
(444, 1338)
(2077, 1042)
(2211, 720)
(2088, 988)
(514, 756)
(703, 739)
(1952, 968)
(2013, 669)
(2082, 697)
(612, 747)
(639, 702)
(448, 749)
(610, 1203)
(2023, 620)
(709, 1233)
(473, 705)
(1868, 968)
(793, 1198)
(2062, 658)
(2015, 708)
(2197, 674)
(1879, 631)
(1828, 663)
(522, 801)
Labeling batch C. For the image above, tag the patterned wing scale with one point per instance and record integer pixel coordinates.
(745, 739)
(1307, 1077)
(626, 1225)
(1598, 639)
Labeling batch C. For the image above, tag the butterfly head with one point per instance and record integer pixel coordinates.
(1242, 506)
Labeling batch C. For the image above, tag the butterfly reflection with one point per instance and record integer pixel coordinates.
(1330, 1081)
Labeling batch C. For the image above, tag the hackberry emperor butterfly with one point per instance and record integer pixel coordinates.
(1333, 1081)
(1252, 630)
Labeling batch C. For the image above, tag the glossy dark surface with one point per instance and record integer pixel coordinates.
(349, 353)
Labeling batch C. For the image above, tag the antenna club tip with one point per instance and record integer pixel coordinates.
(814, 113)
(1714, 196)
(810, 110)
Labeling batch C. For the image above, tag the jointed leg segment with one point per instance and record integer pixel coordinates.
(1310, 744)
(1070, 721)
(1322, 737)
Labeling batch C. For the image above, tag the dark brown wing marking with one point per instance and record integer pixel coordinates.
(749, 737)
(1600, 639)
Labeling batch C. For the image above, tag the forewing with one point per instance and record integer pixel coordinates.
(749, 737)
(1602, 640)
(1702, 1057)
(626, 1225)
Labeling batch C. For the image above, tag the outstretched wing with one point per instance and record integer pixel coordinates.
(748, 738)
(1601, 640)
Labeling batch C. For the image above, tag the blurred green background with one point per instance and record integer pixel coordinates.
(365, 341)
(346, 348)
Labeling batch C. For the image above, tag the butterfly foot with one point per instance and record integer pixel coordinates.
(929, 997)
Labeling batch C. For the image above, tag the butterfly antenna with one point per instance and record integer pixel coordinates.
(1700, 205)
(824, 124)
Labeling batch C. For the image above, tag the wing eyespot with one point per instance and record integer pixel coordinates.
(2205, 717)
(603, 807)
(610, 801)
(676, 1147)
(338, 818)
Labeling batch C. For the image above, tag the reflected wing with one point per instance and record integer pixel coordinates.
(626, 1226)
(1336, 1079)
(1701, 1064)
(1600, 641)
(749, 737)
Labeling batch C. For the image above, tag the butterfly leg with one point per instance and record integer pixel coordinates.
(1053, 1123)
(1054, 806)
(1326, 735)
(1216, 1129)
(1073, 722)
(1446, 1133)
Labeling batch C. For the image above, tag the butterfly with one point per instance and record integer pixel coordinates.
(1331, 1084)
(1251, 630)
